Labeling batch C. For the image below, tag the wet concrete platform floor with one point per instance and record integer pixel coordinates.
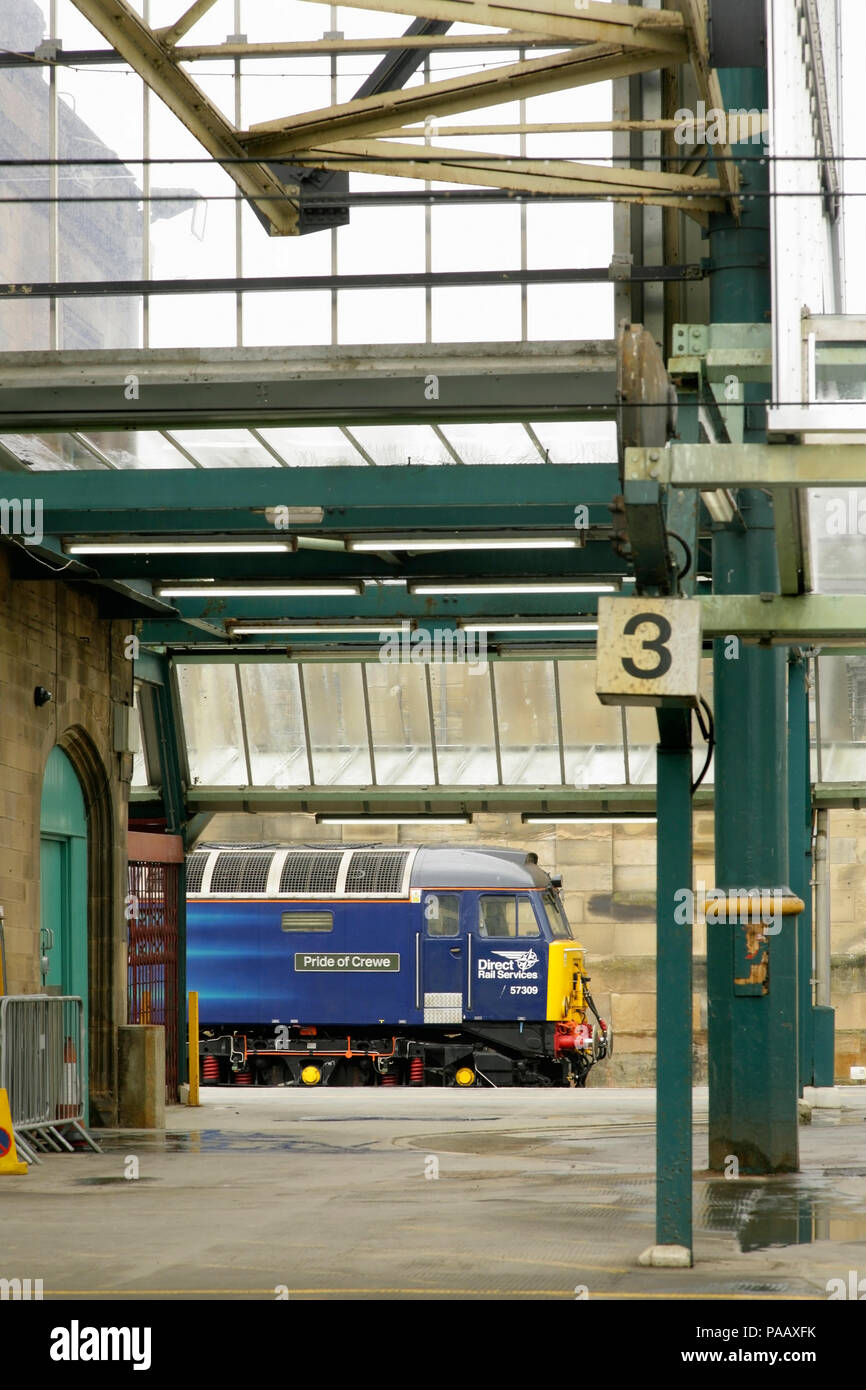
(427, 1195)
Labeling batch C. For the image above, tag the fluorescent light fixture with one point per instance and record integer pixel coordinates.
(467, 543)
(259, 591)
(720, 504)
(323, 630)
(445, 589)
(558, 817)
(373, 819)
(286, 516)
(539, 625)
(177, 547)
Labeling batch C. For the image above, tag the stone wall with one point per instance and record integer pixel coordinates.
(52, 636)
(609, 890)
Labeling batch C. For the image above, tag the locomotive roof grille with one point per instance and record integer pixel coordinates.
(195, 867)
(376, 872)
(240, 873)
(358, 870)
(311, 872)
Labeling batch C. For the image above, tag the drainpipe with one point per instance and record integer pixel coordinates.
(822, 911)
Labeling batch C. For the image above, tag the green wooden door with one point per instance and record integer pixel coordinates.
(63, 881)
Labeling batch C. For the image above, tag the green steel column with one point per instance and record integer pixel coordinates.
(175, 815)
(674, 982)
(752, 1035)
(800, 848)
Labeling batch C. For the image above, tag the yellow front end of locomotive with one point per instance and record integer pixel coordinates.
(565, 976)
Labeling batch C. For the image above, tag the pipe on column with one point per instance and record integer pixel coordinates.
(822, 910)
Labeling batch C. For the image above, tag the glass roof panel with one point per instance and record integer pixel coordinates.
(526, 712)
(48, 451)
(275, 724)
(193, 320)
(212, 724)
(842, 703)
(465, 745)
(502, 443)
(476, 314)
(299, 319)
(555, 311)
(224, 448)
(592, 732)
(138, 449)
(463, 723)
(337, 722)
(577, 442)
(398, 316)
(314, 447)
(400, 724)
(837, 532)
(397, 444)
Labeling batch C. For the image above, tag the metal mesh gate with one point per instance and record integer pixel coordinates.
(153, 948)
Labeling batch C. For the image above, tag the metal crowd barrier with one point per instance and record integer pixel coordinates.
(41, 1069)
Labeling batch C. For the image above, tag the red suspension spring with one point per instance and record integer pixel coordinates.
(389, 1078)
(210, 1069)
(244, 1078)
(416, 1071)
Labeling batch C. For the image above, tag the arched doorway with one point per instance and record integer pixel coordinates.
(63, 884)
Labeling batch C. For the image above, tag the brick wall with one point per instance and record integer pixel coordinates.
(609, 890)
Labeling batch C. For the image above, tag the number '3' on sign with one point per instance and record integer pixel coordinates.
(649, 651)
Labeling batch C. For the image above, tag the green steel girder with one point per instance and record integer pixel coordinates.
(388, 604)
(158, 714)
(402, 799)
(610, 800)
(825, 620)
(178, 502)
(595, 558)
(397, 383)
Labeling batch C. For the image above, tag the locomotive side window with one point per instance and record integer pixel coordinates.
(307, 921)
(501, 915)
(442, 911)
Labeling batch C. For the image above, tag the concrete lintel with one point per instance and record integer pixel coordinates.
(820, 619)
(775, 466)
(256, 387)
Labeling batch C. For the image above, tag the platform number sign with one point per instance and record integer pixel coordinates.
(649, 651)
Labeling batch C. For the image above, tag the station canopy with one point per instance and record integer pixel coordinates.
(261, 432)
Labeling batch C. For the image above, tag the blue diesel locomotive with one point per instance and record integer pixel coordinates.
(379, 965)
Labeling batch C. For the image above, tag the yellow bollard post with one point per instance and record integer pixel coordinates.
(193, 1047)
